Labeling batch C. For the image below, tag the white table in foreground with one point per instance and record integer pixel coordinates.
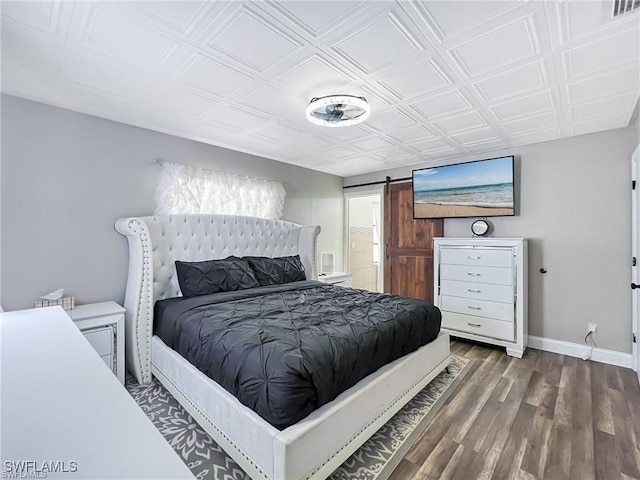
(63, 408)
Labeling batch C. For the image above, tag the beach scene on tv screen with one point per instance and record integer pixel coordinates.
(474, 189)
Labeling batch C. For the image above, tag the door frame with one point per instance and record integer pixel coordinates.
(363, 192)
(635, 253)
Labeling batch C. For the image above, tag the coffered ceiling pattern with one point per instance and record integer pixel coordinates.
(444, 79)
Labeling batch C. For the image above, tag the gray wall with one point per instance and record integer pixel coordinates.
(575, 209)
(66, 177)
(635, 125)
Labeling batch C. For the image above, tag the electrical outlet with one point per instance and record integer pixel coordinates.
(593, 327)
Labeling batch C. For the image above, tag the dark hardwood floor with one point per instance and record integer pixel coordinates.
(545, 416)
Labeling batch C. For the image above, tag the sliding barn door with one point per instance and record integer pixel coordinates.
(408, 266)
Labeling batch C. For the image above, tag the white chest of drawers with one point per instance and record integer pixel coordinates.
(480, 285)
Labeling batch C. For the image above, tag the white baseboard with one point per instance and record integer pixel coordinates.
(596, 354)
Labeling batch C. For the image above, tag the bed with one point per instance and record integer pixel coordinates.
(306, 448)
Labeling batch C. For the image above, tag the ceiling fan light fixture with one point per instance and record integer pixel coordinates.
(338, 110)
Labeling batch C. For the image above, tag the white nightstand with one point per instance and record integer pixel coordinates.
(102, 324)
(336, 278)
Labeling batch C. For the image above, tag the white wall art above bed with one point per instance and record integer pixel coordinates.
(185, 189)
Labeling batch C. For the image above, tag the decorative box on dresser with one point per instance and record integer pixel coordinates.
(480, 285)
(102, 324)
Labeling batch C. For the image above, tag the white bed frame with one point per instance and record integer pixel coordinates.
(313, 447)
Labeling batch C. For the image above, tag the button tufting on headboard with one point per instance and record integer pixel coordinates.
(240, 236)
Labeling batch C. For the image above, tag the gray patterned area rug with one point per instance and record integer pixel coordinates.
(375, 460)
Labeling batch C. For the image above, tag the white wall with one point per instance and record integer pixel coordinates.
(575, 209)
(1, 308)
(635, 124)
(66, 178)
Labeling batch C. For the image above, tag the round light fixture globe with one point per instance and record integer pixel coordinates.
(338, 110)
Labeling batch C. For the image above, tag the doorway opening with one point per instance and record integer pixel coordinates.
(363, 240)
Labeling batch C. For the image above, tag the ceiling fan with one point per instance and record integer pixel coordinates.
(337, 110)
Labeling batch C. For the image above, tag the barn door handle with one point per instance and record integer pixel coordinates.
(634, 286)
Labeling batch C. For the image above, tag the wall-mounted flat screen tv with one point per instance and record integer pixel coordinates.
(483, 188)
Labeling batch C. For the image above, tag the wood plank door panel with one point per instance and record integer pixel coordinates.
(408, 268)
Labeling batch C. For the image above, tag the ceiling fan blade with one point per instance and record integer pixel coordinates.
(350, 108)
(335, 109)
(327, 116)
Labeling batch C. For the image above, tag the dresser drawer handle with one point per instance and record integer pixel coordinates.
(473, 324)
(474, 308)
(474, 258)
(474, 274)
(473, 291)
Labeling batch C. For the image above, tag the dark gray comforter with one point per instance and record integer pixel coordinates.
(285, 350)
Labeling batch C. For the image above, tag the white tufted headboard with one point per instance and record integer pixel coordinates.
(156, 242)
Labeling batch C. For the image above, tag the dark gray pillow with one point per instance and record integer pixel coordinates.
(213, 276)
(278, 270)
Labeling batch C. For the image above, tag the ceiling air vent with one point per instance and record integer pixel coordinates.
(620, 7)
